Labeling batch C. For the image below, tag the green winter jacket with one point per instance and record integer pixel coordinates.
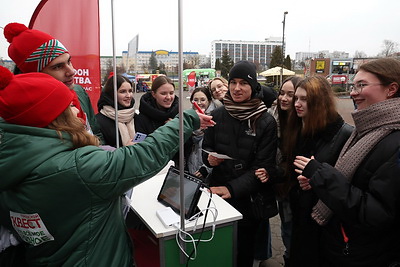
(67, 203)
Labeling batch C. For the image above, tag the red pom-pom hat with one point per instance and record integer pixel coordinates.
(31, 50)
(32, 99)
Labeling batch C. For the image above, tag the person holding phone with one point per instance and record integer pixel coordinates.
(59, 191)
(202, 101)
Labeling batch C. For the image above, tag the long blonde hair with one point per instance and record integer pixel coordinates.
(69, 123)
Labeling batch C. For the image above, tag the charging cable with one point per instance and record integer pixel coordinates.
(213, 210)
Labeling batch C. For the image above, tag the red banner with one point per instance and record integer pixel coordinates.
(75, 23)
(191, 79)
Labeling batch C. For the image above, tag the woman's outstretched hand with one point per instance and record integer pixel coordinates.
(205, 120)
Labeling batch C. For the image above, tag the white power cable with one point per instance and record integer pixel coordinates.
(213, 210)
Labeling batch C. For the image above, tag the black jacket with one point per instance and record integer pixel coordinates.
(368, 207)
(250, 152)
(106, 124)
(151, 117)
(325, 146)
(269, 95)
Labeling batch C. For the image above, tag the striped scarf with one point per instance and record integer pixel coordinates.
(249, 110)
(372, 125)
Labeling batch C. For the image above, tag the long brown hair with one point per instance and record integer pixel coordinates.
(69, 123)
(283, 114)
(321, 110)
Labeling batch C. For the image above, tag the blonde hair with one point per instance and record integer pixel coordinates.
(69, 123)
(222, 79)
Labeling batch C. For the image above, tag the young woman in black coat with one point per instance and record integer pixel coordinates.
(314, 129)
(126, 112)
(157, 106)
(360, 197)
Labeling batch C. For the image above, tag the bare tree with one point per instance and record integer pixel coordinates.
(194, 61)
(389, 47)
(359, 54)
(336, 54)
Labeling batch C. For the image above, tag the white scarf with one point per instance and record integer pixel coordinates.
(126, 125)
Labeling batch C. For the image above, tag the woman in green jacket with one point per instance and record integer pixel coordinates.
(61, 193)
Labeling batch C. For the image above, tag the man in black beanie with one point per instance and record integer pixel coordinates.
(246, 70)
(246, 132)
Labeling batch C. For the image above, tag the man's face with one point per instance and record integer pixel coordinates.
(61, 68)
(240, 90)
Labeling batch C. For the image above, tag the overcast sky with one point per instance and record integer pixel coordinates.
(311, 25)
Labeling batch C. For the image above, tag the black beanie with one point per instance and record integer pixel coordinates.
(247, 71)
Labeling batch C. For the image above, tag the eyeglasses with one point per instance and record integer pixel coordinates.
(358, 87)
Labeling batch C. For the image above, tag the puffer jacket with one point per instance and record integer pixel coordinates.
(368, 207)
(67, 203)
(249, 151)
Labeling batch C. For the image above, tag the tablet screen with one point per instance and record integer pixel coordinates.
(170, 192)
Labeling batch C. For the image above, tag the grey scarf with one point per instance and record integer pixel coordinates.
(372, 125)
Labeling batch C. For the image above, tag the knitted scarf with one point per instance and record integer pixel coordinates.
(125, 122)
(249, 110)
(372, 125)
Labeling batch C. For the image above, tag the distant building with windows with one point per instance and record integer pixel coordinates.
(256, 51)
(135, 61)
(170, 59)
(303, 56)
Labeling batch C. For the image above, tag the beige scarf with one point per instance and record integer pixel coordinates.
(126, 125)
(372, 125)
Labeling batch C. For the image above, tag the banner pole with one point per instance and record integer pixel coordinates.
(114, 77)
(181, 131)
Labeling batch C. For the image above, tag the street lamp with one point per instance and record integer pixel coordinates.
(283, 44)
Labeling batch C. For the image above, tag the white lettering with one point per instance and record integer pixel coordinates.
(82, 80)
(82, 72)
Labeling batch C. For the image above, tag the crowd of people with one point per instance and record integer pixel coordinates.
(65, 175)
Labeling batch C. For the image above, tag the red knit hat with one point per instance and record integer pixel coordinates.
(32, 99)
(31, 50)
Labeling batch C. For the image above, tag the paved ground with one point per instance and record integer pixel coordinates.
(345, 107)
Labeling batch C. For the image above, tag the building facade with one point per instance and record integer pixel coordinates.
(256, 51)
(139, 63)
(303, 56)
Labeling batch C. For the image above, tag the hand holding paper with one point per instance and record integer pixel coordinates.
(217, 155)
